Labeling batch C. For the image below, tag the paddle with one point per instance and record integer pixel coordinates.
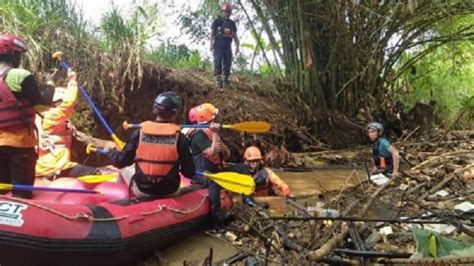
(93, 179)
(5, 186)
(249, 127)
(234, 182)
(120, 144)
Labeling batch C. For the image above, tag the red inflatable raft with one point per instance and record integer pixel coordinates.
(87, 229)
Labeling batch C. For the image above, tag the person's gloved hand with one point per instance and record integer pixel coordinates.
(249, 201)
(105, 150)
(52, 76)
(214, 127)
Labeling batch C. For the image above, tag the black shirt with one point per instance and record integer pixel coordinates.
(223, 31)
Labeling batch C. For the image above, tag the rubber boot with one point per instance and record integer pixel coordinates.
(219, 82)
(226, 81)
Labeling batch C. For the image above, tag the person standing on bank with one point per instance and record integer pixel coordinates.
(223, 31)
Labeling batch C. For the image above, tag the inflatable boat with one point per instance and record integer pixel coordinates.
(91, 229)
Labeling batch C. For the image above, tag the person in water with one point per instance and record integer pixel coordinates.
(266, 181)
(20, 98)
(385, 156)
(158, 149)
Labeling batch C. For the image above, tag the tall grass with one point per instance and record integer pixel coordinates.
(47, 25)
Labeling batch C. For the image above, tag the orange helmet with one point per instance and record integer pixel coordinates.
(252, 153)
(205, 113)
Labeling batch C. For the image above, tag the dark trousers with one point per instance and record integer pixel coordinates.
(17, 166)
(214, 195)
(222, 59)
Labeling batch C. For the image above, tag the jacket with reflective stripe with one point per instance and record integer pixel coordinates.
(157, 152)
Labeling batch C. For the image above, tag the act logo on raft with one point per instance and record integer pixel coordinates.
(10, 213)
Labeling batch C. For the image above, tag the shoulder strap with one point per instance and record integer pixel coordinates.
(4, 72)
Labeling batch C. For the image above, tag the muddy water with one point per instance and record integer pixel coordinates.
(302, 184)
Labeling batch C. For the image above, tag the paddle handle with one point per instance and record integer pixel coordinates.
(90, 149)
(49, 189)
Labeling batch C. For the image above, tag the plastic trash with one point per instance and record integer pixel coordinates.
(379, 179)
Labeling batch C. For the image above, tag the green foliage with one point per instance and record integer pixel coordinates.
(46, 25)
(119, 32)
(446, 76)
(180, 56)
(198, 23)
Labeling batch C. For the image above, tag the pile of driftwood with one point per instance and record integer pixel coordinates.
(369, 222)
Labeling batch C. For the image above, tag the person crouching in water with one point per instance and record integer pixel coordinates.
(266, 181)
(158, 149)
(385, 156)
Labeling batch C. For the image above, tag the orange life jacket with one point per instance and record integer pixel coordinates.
(157, 151)
(14, 114)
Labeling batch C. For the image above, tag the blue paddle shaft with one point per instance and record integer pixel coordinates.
(196, 126)
(137, 126)
(91, 103)
(52, 189)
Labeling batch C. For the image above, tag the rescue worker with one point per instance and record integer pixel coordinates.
(19, 99)
(223, 32)
(209, 154)
(385, 156)
(56, 133)
(266, 181)
(158, 149)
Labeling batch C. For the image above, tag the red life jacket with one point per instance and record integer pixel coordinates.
(14, 114)
(157, 151)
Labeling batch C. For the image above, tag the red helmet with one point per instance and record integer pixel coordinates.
(226, 7)
(11, 43)
(192, 115)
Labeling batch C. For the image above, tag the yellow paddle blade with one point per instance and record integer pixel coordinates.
(251, 127)
(92, 179)
(234, 182)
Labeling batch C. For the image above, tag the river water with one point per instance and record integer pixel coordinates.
(196, 248)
